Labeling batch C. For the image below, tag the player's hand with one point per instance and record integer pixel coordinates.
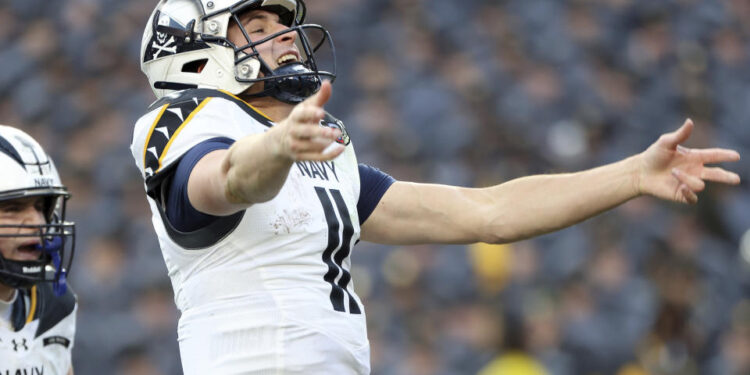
(300, 136)
(673, 172)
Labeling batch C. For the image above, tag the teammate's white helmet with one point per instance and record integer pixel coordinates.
(27, 171)
(185, 46)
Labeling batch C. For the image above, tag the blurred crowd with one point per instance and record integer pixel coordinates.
(472, 93)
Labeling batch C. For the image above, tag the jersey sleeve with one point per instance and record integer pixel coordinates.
(373, 185)
(180, 212)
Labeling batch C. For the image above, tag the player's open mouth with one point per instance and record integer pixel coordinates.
(29, 251)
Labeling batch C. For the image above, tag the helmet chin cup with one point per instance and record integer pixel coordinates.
(23, 274)
(295, 83)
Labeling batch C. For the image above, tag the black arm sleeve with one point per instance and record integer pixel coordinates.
(373, 183)
(181, 214)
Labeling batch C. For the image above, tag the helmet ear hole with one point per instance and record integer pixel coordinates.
(195, 66)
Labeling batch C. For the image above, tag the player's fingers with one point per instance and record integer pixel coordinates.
(329, 153)
(310, 132)
(318, 144)
(307, 114)
(321, 97)
(299, 148)
(671, 140)
(688, 195)
(694, 183)
(716, 155)
(314, 144)
(720, 175)
(302, 132)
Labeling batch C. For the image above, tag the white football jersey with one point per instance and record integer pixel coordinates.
(266, 290)
(36, 332)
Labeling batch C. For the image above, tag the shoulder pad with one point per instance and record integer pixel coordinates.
(45, 306)
(51, 309)
(201, 94)
(186, 95)
(174, 112)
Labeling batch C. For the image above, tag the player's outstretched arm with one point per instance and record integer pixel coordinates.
(254, 169)
(411, 213)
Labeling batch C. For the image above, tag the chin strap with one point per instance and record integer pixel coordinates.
(53, 248)
(293, 89)
(22, 274)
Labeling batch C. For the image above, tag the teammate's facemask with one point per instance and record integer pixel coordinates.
(186, 46)
(27, 173)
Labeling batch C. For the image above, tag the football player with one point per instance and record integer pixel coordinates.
(257, 197)
(37, 310)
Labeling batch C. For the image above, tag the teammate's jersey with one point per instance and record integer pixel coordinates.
(36, 332)
(266, 290)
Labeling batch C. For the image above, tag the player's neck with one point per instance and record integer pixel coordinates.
(273, 108)
(6, 293)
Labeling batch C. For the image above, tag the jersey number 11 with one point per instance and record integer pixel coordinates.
(336, 263)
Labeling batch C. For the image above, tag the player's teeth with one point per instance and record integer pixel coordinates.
(286, 58)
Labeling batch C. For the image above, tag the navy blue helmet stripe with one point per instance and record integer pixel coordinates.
(8, 149)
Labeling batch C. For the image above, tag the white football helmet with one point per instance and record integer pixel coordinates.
(27, 171)
(185, 46)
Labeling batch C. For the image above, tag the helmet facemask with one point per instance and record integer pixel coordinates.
(293, 82)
